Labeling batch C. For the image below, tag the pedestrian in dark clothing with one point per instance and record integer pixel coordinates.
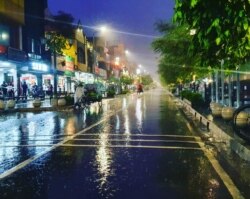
(50, 90)
(4, 88)
(139, 88)
(25, 88)
(10, 90)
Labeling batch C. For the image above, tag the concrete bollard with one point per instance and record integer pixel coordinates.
(242, 119)
(227, 113)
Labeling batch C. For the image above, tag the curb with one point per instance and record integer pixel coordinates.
(39, 109)
(217, 133)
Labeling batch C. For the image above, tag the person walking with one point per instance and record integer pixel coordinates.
(4, 88)
(10, 90)
(50, 90)
(139, 88)
(25, 89)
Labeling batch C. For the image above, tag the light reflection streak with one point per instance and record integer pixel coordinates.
(118, 125)
(126, 126)
(34, 135)
(138, 113)
(104, 156)
(70, 128)
(124, 103)
(8, 152)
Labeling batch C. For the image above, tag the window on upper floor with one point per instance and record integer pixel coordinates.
(81, 55)
(33, 46)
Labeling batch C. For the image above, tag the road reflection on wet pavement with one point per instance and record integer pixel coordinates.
(131, 147)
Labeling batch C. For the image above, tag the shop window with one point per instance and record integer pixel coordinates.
(33, 46)
(81, 55)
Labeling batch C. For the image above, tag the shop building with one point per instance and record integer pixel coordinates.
(12, 56)
(37, 70)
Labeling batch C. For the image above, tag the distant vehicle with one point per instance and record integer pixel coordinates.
(92, 93)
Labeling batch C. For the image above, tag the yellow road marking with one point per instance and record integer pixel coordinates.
(228, 182)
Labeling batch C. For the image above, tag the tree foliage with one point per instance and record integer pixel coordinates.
(63, 23)
(127, 80)
(146, 79)
(59, 29)
(222, 29)
(176, 63)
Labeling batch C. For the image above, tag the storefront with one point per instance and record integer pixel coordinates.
(10, 61)
(35, 73)
(65, 74)
(87, 78)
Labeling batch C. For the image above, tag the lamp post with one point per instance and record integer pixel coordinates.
(222, 82)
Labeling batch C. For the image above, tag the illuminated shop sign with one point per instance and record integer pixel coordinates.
(39, 66)
(69, 62)
(16, 55)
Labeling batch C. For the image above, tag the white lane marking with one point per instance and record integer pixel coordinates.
(228, 182)
(97, 139)
(137, 140)
(109, 140)
(133, 146)
(60, 137)
(110, 146)
(144, 135)
(28, 161)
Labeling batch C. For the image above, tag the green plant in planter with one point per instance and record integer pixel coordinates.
(125, 91)
(195, 98)
(69, 100)
(110, 93)
(92, 96)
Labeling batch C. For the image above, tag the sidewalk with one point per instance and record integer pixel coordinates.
(216, 132)
(28, 107)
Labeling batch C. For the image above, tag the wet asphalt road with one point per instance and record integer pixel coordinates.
(131, 147)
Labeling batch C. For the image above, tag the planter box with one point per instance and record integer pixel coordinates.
(37, 103)
(11, 104)
(2, 105)
(242, 119)
(216, 110)
(61, 102)
(227, 113)
(54, 102)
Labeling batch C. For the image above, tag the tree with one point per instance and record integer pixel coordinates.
(58, 30)
(146, 79)
(62, 23)
(126, 80)
(176, 63)
(222, 29)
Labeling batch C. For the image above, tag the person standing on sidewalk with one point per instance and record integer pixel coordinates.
(25, 89)
(139, 88)
(4, 88)
(50, 90)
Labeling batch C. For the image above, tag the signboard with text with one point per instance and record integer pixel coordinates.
(16, 55)
(69, 63)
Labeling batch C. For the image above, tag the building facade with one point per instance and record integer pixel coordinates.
(12, 56)
(38, 70)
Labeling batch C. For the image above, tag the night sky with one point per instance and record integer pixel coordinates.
(132, 22)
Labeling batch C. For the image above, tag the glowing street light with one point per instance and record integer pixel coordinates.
(103, 29)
